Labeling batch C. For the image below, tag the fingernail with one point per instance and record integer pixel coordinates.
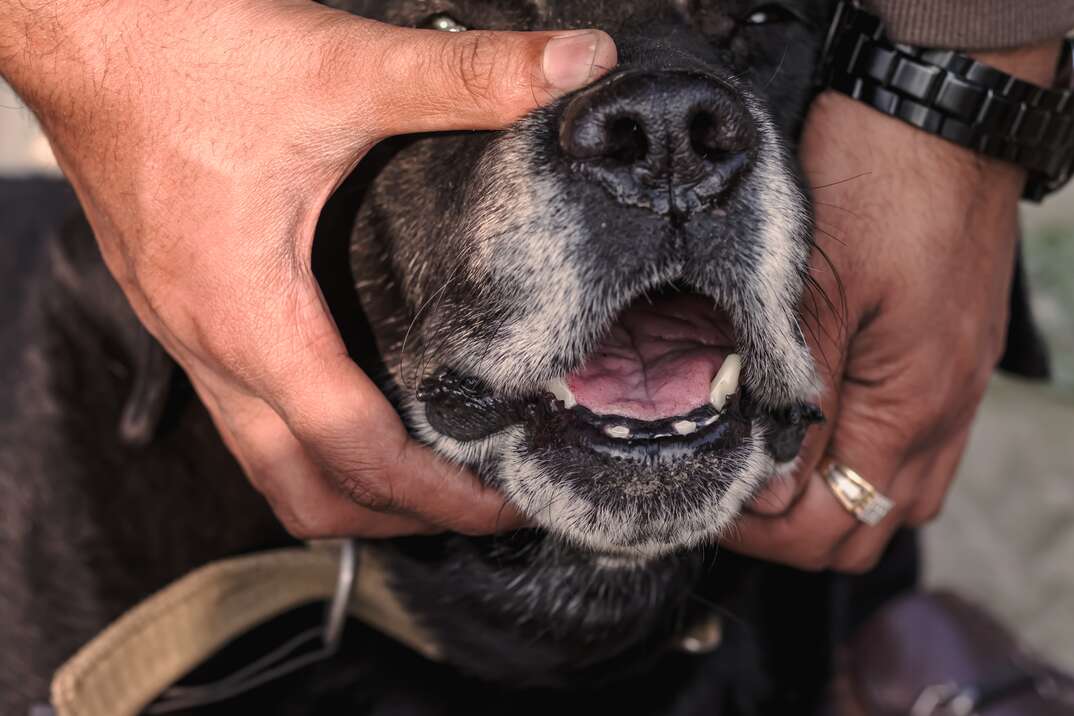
(574, 58)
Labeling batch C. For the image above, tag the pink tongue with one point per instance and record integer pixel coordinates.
(658, 361)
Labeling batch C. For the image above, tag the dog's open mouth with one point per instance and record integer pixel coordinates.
(664, 381)
(667, 366)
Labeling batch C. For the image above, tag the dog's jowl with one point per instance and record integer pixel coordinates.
(595, 309)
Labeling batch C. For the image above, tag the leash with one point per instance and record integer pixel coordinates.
(130, 667)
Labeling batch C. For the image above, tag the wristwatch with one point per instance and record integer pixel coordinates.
(951, 95)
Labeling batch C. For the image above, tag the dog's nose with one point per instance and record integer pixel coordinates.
(670, 142)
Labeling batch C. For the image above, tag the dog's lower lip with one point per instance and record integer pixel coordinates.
(552, 424)
(463, 408)
(624, 429)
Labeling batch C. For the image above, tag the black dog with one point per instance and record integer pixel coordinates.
(596, 309)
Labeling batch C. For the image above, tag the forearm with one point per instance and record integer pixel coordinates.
(115, 76)
(975, 24)
(66, 58)
(49, 50)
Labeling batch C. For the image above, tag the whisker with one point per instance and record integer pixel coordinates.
(815, 291)
(417, 316)
(836, 206)
(778, 68)
(829, 234)
(426, 345)
(492, 338)
(841, 181)
(722, 610)
(844, 307)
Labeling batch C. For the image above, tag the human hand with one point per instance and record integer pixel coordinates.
(203, 139)
(916, 242)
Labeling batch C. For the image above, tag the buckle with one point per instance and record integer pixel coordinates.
(290, 656)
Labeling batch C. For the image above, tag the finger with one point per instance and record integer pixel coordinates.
(307, 504)
(810, 534)
(918, 492)
(805, 537)
(478, 79)
(866, 440)
(934, 490)
(860, 551)
(351, 431)
(895, 461)
(781, 492)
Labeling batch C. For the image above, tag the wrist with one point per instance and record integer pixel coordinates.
(883, 174)
(1034, 63)
(885, 144)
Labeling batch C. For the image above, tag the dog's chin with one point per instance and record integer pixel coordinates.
(652, 444)
(625, 502)
(545, 611)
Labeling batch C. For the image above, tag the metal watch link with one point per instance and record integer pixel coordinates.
(951, 95)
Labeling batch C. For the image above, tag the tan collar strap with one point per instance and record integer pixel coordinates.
(136, 658)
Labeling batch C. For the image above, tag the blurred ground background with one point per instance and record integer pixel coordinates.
(1006, 537)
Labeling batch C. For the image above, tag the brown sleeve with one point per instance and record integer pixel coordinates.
(975, 24)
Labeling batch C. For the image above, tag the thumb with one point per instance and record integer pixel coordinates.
(431, 80)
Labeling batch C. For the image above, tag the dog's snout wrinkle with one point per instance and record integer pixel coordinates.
(670, 142)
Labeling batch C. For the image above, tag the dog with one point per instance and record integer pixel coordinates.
(595, 309)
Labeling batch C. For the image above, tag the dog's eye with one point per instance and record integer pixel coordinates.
(770, 15)
(443, 21)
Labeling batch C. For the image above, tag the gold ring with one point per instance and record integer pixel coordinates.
(855, 494)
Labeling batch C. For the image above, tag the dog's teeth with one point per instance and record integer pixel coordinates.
(684, 427)
(726, 381)
(558, 387)
(617, 431)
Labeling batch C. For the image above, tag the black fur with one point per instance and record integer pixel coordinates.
(114, 483)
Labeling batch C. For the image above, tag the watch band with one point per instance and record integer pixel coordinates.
(949, 94)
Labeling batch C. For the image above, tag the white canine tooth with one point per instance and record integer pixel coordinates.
(617, 431)
(726, 381)
(558, 387)
(684, 427)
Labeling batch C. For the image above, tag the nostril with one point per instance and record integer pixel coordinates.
(627, 142)
(703, 139)
(716, 139)
(596, 132)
